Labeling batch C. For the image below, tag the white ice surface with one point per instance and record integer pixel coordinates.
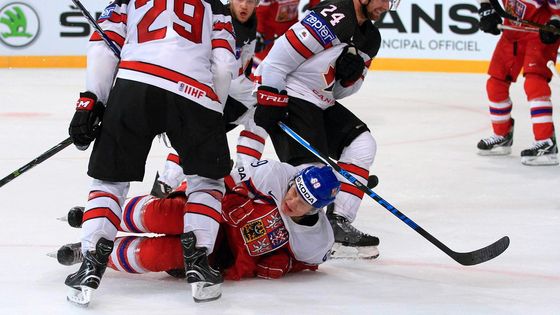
(426, 125)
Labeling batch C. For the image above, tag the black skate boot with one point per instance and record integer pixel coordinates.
(177, 273)
(544, 152)
(349, 241)
(75, 215)
(70, 254)
(496, 145)
(87, 278)
(160, 189)
(206, 283)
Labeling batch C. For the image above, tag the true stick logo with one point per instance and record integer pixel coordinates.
(19, 24)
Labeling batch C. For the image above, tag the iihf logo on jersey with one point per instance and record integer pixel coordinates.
(191, 90)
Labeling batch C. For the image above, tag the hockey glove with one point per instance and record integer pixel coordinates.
(489, 19)
(237, 206)
(349, 66)
(272, 107)
(549, 37)
(367, 39)
(274, 266)
(86, 123)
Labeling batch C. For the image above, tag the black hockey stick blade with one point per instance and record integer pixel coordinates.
(481, 255)
(41, 158)
(506, 15)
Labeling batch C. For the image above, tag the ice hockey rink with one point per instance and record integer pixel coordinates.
(426, 126)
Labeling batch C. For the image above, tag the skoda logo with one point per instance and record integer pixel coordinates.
(19, 24)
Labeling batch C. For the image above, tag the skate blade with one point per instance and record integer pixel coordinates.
(206, 291)
(340, 251)
(63, 219)
(80, 297)
(495, 151)
(52, 254)
(543, 160)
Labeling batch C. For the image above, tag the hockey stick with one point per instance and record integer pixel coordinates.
(52, 151)
(518, 28)
(501, 12)
(467, 259)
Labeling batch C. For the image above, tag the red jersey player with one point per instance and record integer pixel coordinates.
(530, 52)
(271, 225)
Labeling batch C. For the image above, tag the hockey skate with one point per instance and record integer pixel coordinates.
(349, 241)
(87, 279)
(496, 145)
(69, 254)
(206, 283)
(177, 273)
(74, 217)
(544, 152)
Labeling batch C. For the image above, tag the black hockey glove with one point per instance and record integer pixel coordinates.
(272, 107)
(549, 37)
(349, 66)
(86, 123)
(489, 19)
(367, 39)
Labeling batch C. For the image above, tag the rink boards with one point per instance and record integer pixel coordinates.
(431, 35)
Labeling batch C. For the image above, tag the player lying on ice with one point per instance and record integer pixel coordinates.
(272, 225)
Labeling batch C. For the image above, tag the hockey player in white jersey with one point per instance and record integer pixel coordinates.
(176, 65)
(319, 60)
(240, 105)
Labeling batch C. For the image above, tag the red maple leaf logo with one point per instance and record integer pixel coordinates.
(329, 76)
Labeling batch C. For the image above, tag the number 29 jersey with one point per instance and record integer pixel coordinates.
(177, 45)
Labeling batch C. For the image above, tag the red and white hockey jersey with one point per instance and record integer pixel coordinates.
(183, 46)
(303, 60)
